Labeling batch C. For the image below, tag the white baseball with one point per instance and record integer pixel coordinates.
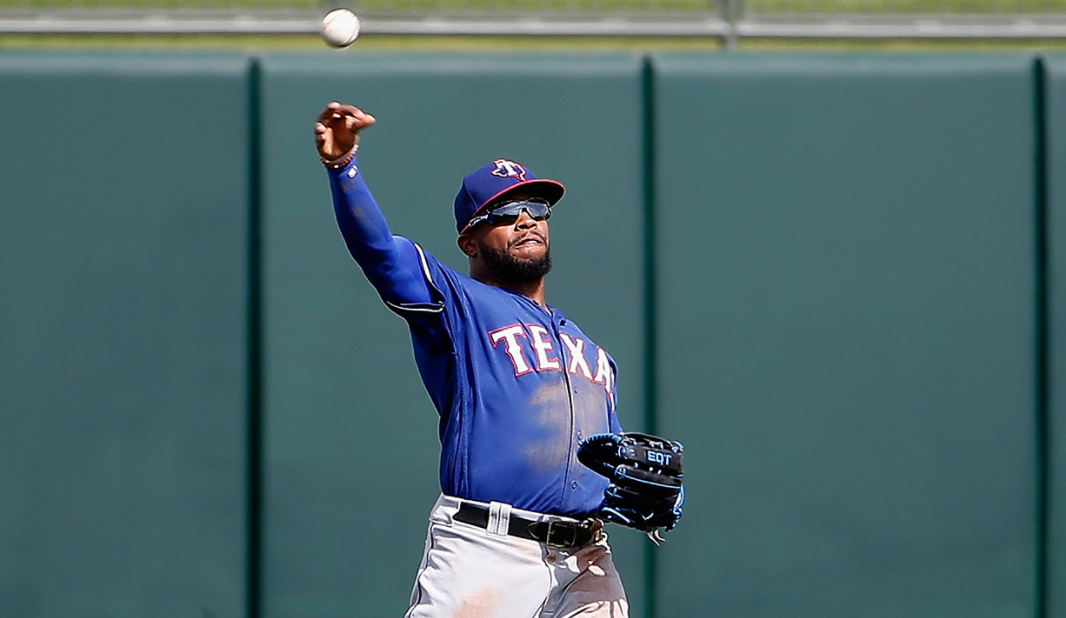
(340, 28)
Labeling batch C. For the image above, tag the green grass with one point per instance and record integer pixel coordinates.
(139, 5)
(370, 7)
(883, 7)
(533, 7)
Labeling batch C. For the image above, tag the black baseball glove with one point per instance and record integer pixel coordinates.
(645, 473)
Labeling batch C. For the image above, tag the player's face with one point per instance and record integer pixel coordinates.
(519, 251)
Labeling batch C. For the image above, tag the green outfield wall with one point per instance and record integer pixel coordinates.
(837, 279)
(124, 225)
(1054, 340)
(860, 334)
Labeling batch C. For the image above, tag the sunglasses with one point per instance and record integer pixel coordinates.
(509, 212)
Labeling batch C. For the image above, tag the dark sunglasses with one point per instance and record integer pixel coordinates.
(508, 212)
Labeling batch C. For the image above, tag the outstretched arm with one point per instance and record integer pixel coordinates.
(390, 263)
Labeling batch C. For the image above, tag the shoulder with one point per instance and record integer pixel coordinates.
(431, 264)
(457, 285)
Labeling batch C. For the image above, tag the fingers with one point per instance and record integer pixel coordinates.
(320, 134)
(359, 120)
(350, 116)
(335, 110)
(326, 141)
(337, 128)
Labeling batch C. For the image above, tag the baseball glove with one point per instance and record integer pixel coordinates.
(645, 473)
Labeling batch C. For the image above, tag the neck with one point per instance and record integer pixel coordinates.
(533, 290)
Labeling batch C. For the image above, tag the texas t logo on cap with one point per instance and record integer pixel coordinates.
(494, 182)
(509, 169)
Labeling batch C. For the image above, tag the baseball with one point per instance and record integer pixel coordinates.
(340, 28)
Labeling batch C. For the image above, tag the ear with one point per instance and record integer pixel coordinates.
(467, 245)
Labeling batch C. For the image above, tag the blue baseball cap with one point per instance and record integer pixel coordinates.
(491, 182)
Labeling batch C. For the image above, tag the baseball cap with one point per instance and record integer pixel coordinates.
(491, 182)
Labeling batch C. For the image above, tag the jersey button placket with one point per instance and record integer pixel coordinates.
(570, 391)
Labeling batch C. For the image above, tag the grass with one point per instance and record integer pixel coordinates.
(563, 7)
(889, 7)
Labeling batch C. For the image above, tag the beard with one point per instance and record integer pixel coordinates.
(510, 269)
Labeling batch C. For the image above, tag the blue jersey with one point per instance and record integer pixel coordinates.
(516, 385)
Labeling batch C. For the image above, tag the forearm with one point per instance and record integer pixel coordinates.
(389, 262)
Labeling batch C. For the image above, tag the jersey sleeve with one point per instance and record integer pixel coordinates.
(434, 323)
(390, 263)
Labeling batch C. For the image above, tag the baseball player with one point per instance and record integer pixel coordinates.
(517, 385)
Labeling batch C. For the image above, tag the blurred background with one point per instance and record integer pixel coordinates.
(824, 240)
(727, 22)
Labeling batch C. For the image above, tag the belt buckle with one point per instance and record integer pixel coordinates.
(558, 526)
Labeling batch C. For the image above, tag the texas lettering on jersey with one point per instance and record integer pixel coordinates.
(514, 340)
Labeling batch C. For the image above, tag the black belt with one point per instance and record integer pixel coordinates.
(562, 534)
